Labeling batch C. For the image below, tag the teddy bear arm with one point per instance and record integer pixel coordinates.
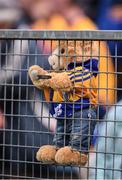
(38, 84)
(34, 73)
(60, 81)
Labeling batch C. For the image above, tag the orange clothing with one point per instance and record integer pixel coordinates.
(106, 79)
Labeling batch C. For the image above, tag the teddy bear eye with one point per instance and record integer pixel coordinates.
(62, 50)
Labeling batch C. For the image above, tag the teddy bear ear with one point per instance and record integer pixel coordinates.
(62, 43)
(67, 43)
(71, 43)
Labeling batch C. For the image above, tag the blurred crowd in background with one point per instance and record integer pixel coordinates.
(65, 15)
(106, 15)
(46, 15)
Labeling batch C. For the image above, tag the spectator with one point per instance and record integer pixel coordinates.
(9, 13)
(110, 18)
(108, 159)
(18, 143)
(68, 15)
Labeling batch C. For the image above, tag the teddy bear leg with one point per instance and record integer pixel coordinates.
(46, 154)
(67, 155)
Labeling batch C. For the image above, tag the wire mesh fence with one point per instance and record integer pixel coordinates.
(86, 114)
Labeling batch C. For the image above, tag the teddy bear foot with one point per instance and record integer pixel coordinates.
(46, 154)
(67, 156)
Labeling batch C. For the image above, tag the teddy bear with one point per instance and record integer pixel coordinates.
(70, 88)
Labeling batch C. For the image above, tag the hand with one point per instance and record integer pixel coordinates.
(35, 71)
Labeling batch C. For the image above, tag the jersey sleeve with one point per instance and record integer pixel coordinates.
(79, 75)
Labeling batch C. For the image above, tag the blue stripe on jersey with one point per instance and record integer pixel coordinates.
(79, 71)
(79, 75)
(91, 65)
(83, 79)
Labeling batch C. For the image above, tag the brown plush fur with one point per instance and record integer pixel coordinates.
(46, 154)
(67, 155)
(58, 81)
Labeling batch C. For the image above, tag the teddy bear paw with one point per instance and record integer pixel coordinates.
(83, 159)
(67, 156)
(46, 154)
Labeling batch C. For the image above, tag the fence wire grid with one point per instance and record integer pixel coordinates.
(25, 120)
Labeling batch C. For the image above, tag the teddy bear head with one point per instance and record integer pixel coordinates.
(67, 52)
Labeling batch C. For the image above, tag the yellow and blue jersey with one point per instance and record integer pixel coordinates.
(83, 77)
